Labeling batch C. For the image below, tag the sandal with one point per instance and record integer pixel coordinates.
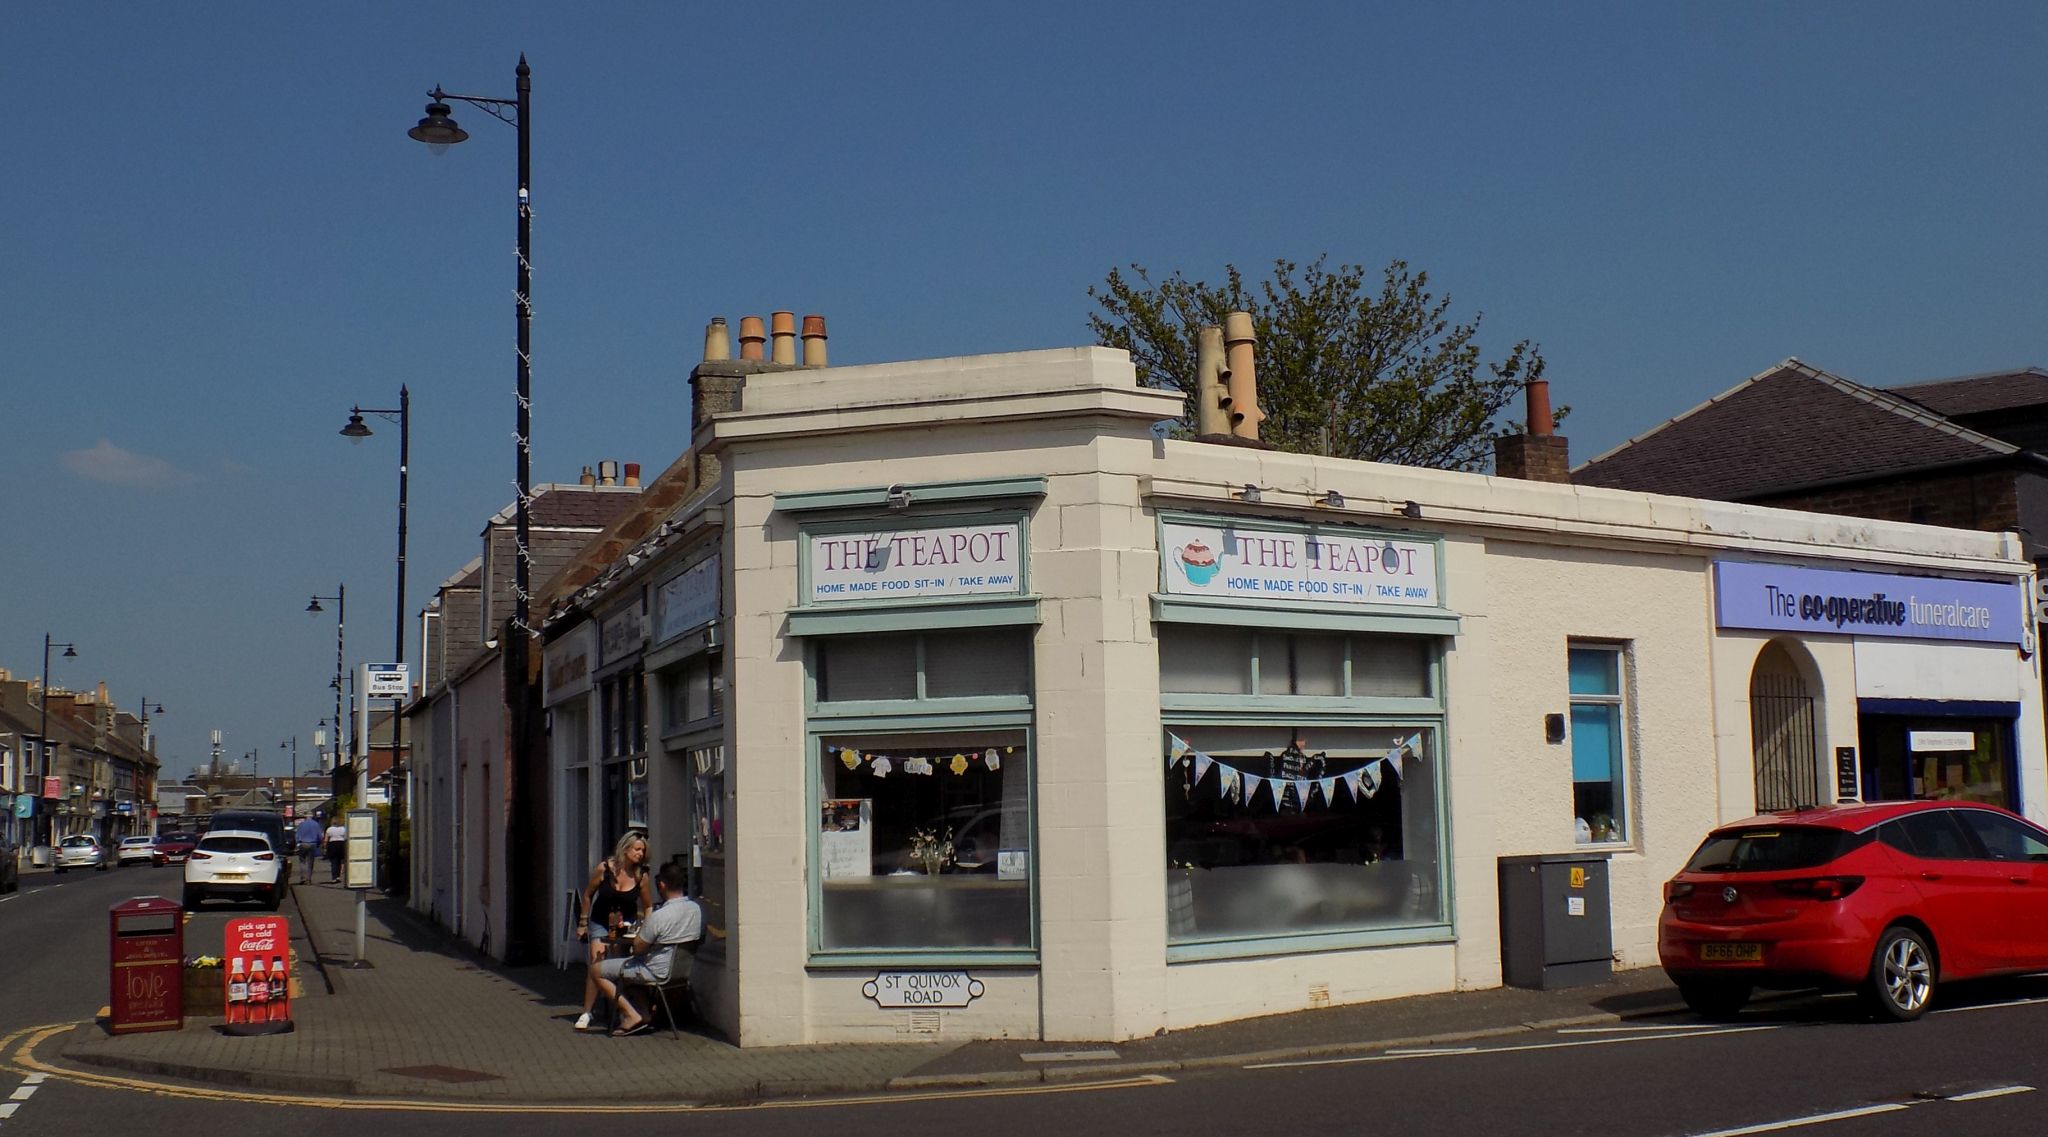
(642, 1027)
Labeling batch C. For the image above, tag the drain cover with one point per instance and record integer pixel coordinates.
(441, 1073)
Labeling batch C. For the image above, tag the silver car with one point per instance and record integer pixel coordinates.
(81, 851)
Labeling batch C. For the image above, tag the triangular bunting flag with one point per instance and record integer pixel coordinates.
(1177, 745)
(1251, 787)
(1301, 792)
(1329, 788)
(1202, 764)
(1369, 777)
(1394, 763)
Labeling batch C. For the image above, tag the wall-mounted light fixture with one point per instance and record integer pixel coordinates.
(1331, 499)
(899, 497)
(1249, 494)
(1411, 511)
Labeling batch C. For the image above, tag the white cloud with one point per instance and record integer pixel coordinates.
(109, 463)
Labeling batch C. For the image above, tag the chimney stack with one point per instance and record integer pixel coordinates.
(753, 338)
(717, 340)
(632, 473)
(814, 341)
(1240, 344)
(1212, 384)
(1535, 455)
(608, 473)
(588, 478)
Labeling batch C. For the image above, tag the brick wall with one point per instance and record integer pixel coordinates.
(1982, 499)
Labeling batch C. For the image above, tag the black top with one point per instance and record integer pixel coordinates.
(626, 901)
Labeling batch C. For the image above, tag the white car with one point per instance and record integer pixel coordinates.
(81, 851)
(135, 850)
(236, 864)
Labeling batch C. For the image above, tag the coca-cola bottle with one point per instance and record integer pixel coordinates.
(238, 992)
(280, 990)
(259, 992)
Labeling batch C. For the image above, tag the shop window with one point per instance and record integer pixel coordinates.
(1201, 659)
(695, 693)
(1600, 802)
(1287, 830)
(924, 840)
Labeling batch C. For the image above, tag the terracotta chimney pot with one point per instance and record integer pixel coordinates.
(1541, 422)
(1212, 384)
(632, 473)
(783, 328)
(753, 338)
(814, 341)
(717, 340)
(1240, 339)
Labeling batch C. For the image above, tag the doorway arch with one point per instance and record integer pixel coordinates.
(1782, 738)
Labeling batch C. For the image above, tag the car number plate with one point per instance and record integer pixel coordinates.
(245, 876)
(1733, 953)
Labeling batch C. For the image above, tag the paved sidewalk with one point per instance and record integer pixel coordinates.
(430, 1019)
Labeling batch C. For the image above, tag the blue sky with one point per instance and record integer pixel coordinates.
(218, 237)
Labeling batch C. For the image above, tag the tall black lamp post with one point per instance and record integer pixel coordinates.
(340, 599)
(439, 131)
(45, 812)
(355, 432)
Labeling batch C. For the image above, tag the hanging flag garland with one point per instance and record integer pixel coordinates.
(1241, 786)
(882, 765)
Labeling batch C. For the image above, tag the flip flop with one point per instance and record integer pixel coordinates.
(643, 1027)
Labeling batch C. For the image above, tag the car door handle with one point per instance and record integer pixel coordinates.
(2019, 879)
(1930, 876)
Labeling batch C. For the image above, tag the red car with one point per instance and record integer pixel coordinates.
(1889, 899)
(173, 848)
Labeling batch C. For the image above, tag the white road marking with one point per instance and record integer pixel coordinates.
(34, 1079)
(1401, 1056)
(1809, 1119)
(22, 1093)
(7, 1110)
(1990, 1006)
(1620, 1029)
(2001, 1091)
(1418, 1052)
(1070, 1056)
(8, 897)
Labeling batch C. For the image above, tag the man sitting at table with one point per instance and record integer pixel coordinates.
(676, 922)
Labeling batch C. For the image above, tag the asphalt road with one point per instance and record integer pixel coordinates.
(1812, 1065)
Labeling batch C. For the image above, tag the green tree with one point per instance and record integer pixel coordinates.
(1344, 369)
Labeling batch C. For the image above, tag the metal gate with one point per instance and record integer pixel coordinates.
(1781, 734)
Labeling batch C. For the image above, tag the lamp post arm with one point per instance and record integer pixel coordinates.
(504, 110)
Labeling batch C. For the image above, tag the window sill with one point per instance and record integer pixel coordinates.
(1302, 943)
(1605, 847)
(913, 959)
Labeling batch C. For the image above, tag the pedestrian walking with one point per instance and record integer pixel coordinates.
(337, 848)
(306, 835)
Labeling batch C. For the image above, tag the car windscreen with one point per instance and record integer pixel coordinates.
(1772, 848)
(76, 842)
(225, 843)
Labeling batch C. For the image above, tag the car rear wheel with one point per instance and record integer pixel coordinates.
(193, 898)
(1902, 976)
(1717, 999)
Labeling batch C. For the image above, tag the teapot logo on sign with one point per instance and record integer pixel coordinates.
(909, 989)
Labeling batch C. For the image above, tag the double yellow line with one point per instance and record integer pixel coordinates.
(19, 1051)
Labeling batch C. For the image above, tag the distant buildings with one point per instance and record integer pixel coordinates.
(95, 772)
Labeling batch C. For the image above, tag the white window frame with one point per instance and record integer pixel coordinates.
(1623, 702)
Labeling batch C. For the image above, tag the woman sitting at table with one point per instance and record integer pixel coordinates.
(620, 889)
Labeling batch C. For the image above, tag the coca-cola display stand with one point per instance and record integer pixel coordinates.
(257, 953)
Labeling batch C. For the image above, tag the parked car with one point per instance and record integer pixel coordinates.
(135, 850)
(172, 848)
(234, 864)
(1892, 900)
(81, 851)
(268, 822)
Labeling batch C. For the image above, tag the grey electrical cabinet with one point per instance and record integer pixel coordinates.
(1555, 927)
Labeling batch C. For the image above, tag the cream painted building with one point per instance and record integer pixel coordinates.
(980, 710)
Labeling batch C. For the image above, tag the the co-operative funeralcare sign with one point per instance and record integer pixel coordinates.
(905, 564)
(1308, 566)
(1786, 598)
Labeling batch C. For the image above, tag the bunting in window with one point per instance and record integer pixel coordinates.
(1242, 786)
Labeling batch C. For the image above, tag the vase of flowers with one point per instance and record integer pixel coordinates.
(932, 849)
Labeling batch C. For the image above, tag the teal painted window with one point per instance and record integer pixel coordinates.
(1315, 852)
(1600, 786)
(924, 783)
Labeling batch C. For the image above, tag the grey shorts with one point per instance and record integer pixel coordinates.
(627, 968)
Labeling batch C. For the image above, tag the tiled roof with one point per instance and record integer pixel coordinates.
(1976, 394)
(1789, 427)
(573, 506)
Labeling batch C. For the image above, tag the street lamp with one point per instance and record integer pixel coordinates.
(340, 599)
(46, 825)
(355, 432)
(439, 131)
(293, 787)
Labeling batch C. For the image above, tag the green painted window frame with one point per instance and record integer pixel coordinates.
(920, 715)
